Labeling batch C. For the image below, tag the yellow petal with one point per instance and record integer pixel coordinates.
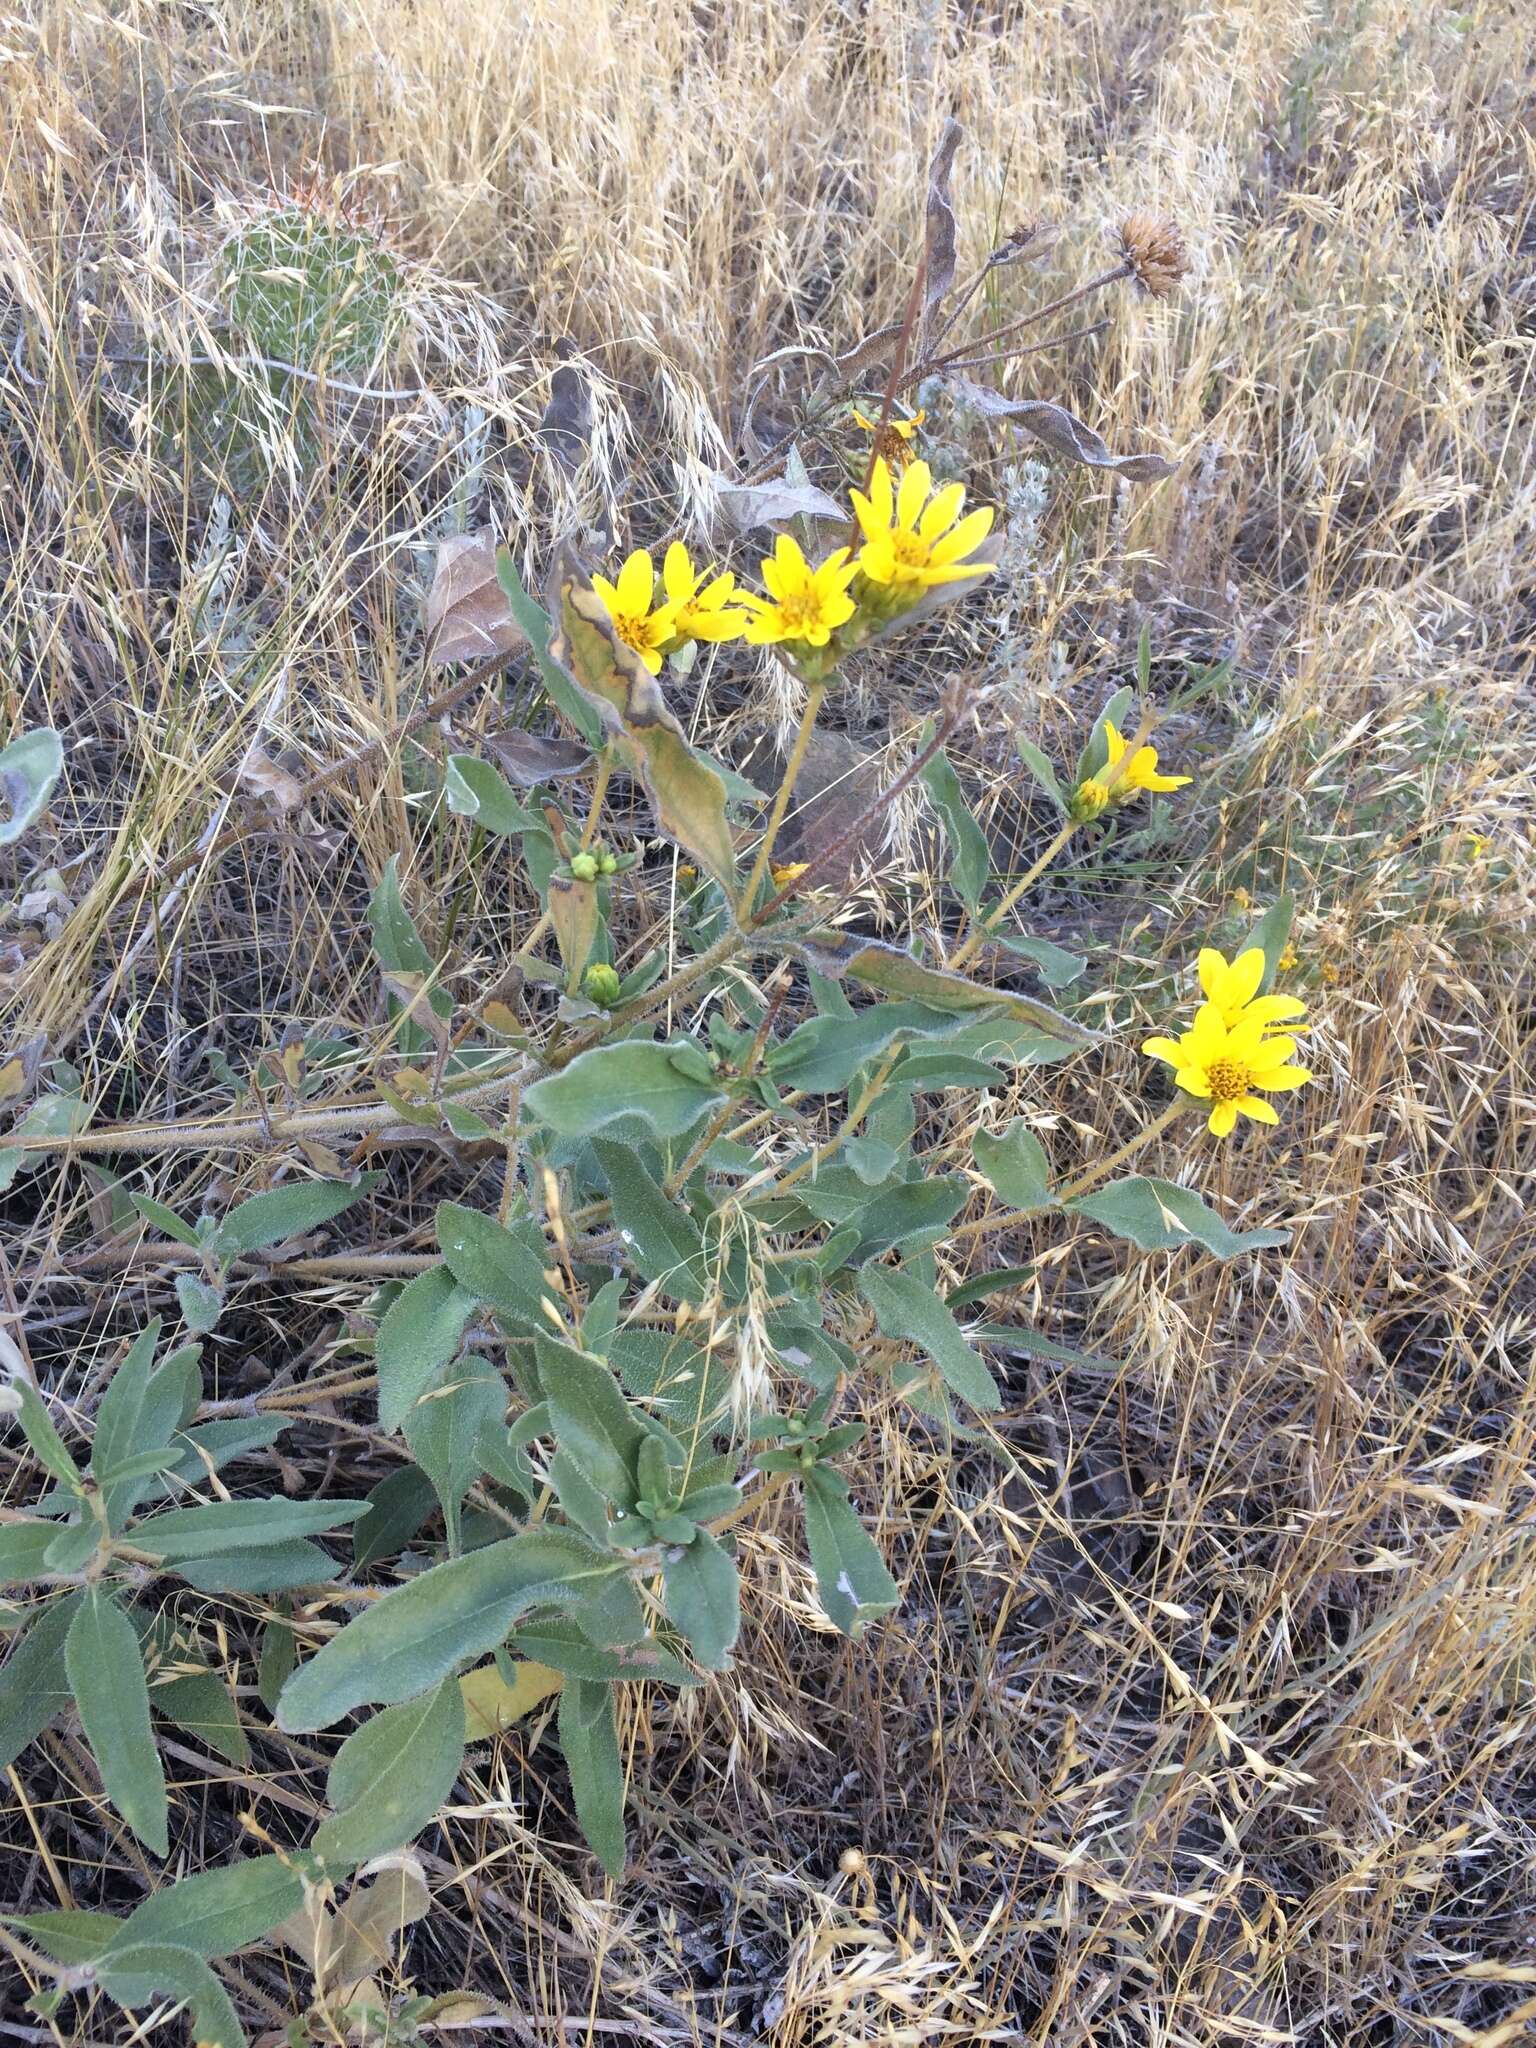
(915, 486)
(1213, 973)
(1223, 1119)
(941, 511)
(966, 537)
(637, 585)
(1162, 1049)
(608, 594)
(869, 426)
(1246, 973)
(1281, 1078)
(792, 563)
(1193, 1081)
(1270, 1009)
(882, 494)
(869, 519)
(678, 576)
(1258, 1109)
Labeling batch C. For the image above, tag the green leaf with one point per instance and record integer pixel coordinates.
(390, 1776)
(397, 1507)
(590, 1746)
(500, 1266)
(851, 1574)
(472, 788)
(629, 1090)
(218, 1912)
(415, 1635)
(908, 1310)
(51, 1116)
(47, 1445)
(594, 1423)
(534, 620)
(421, 1331)
(1017, 1165)
(29, 767)
(980, 1285)
(23, 1547)
(821, 1056)
(213, 1445)
(444, 1430)
(225, 1525)
(141, 1410)
(201, 1305)
(166, 1221)
(276, 1660)
(202, 1704)
(106, 1675)
(147, 1970)
(662, 1238)
(562, 1647)
(75, 1544)
(68, 1936)
(1042, 771)
(970, 857)
(34, 1684)
(1271, 934)
(1160, 1216)
(897, 973)
(281, 1213)
(1057, 967)
(704, 1598)
(278, 1569)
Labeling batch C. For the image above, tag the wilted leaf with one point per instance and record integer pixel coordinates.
(566, 427)
(686, 794)
(573, 912)
(467, 617)
(530, 758)
(897, 973)
(1062, 432)
(939, 233)
(275, 784)
(368, 1924)
(775, 503)
(491, 1704)
(29, 767)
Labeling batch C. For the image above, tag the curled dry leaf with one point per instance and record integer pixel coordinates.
(271, 781)
(528, 758)
(1061, 431)
(467, 617)
(939, 238)
(566, 427)
(774, 502)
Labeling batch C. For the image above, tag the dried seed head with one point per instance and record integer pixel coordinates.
(1154, 252)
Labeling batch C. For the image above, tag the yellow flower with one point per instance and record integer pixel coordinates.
(1140, 772)
(1289, 958)
(701, 608)
(1231, 1067)
(893, 441)
(785, 872)
(628, 603)
(803, 603)
(913, 535)
(1089, 799)
(1232, 990)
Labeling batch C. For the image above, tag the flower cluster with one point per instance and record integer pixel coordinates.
(915, 537)
(1231, 1056)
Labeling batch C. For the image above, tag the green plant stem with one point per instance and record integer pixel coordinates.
(814, 693)
(986, 925)
(599, 791)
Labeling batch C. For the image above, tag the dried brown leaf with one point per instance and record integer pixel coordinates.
(467, 617)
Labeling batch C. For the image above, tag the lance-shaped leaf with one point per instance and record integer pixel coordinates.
(415, 1635)
(897, 973)
(422, 1330)
(67, 1935)
(391, 1775)
(106, 1675)
(662, 1237)
(221, 1526)
(1160, 1216)
(851, 1575)
(821, 1056)
(704, 1598)
(219, 1911)
(1270, 935)
(909, 1310)
(970, 858)
(280, 1213)
(445, 1428)
(687, 796)
(939, 233)
(591, 1749)
(499, 1265)
(1017, 1165)
(472, 788)
(594, 1423)
(34, 1680)
(141, 1971)
(1061, 431)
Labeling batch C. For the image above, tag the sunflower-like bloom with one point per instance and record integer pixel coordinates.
(702, 607)
(893, 441)
(803, 604)
(1232, 987)
(643, 625)
(1233, 1067)
(914, 535)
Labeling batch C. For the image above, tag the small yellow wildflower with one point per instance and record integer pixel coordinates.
(1289, 958)
(914, 536)
(893, 441)
(785, 872)
(1140, 772)
(1231, 1067)
(628, 604)
(1232, 989)
(701, 604)
(803, 604)
(1242, 899)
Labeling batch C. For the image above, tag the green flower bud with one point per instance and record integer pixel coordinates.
(584, 866)
(601, 985)
(606, 864)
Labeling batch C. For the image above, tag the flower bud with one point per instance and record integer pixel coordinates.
(601, 985)
(584, 867)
